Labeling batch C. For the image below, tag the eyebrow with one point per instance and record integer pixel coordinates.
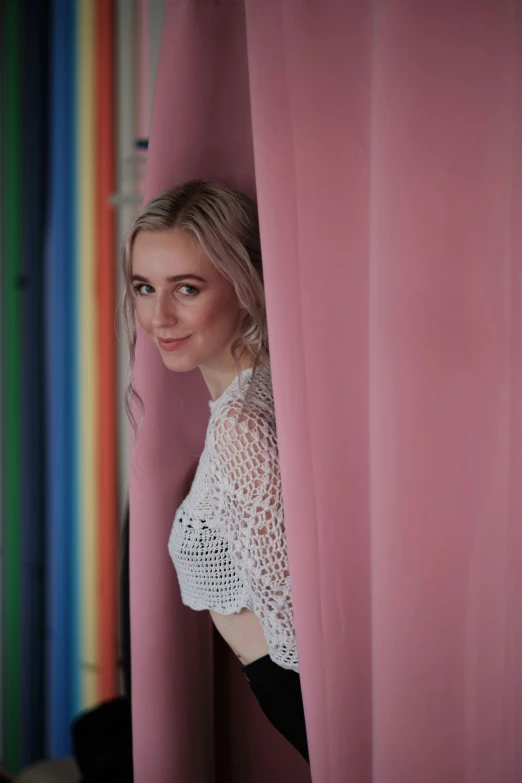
(172, 279)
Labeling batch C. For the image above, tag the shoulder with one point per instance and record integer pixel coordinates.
(244, 448)
(246, 423)
(241, 425)
(249, 408)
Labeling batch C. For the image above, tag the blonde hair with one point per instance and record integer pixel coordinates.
(226, 224)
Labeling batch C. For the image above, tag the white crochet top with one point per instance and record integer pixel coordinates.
(228, 541)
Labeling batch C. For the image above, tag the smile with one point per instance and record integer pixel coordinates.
(171, 345)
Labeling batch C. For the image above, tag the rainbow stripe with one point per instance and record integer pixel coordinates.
(60, 305)
(106, 361)
(11, 409)
(72, 108)
(88, 630)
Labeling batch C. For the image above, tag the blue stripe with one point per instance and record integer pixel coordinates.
(60, 365)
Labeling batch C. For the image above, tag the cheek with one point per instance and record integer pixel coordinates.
(218, 319)
(142, 315)
(222, 310)
(201, 315)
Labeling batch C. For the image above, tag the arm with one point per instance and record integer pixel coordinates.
(246, 479)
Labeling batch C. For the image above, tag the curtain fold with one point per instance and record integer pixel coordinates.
(383, 145)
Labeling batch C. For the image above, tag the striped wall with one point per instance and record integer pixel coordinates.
(76, 84)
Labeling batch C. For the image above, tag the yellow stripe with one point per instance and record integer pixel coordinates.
(88, 491)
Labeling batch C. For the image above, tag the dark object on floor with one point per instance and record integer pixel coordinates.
(102, 743)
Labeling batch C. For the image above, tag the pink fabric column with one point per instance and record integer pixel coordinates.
(187, 687)
(387, 141)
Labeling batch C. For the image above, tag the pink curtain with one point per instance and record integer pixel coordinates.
(384, 143)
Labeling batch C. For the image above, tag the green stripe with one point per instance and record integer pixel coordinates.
(10, 334)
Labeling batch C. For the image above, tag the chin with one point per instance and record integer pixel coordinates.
(175, 364)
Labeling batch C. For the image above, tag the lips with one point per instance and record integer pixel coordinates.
(171, 344)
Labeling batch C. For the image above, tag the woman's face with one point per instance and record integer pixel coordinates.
(181, 294)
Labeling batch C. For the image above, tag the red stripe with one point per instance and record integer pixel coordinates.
(106, 293)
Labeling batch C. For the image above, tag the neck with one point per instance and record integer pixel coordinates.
(219, 377)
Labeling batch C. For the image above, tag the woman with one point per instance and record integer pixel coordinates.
(193, 279)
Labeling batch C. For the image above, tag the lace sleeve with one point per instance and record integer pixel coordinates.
(246, 478)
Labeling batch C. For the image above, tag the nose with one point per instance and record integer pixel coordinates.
(164, 311)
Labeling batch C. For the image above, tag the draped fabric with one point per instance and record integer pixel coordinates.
(383, 142)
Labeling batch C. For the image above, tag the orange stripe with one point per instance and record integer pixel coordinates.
(106, 291)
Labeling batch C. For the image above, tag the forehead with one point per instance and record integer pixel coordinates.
(168, 253)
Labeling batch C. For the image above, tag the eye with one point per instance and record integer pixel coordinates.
(187, 285)
(140, 292)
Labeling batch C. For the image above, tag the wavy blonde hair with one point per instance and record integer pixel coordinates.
(226, 224)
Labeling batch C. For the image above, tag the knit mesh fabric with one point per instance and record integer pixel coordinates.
(228, 540)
